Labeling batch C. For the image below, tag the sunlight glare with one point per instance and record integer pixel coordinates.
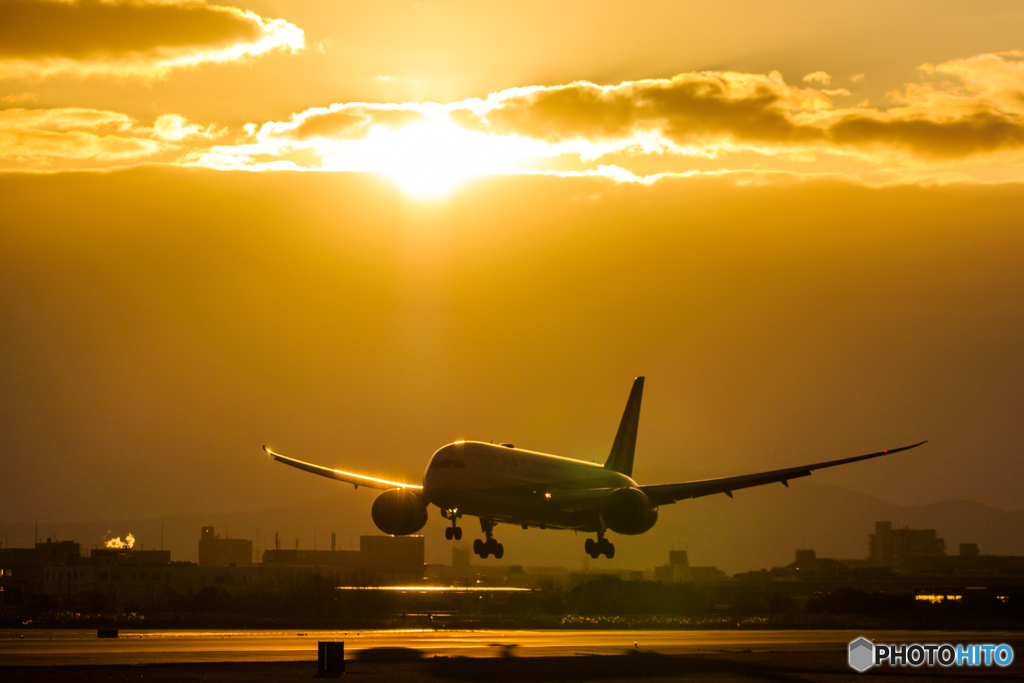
(428, 160)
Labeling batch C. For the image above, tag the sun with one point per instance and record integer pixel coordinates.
(429, 160)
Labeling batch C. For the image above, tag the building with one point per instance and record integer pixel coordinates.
(889, 547)
(112, 577)
(215, 551)
(395, 558)
(380, 560)
(679, 570)
(55, 575)
(23, 570)
(461, 560)
(901, 561)
(969, 563)
(124, 579)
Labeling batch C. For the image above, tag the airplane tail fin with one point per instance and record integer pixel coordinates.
(621, 458)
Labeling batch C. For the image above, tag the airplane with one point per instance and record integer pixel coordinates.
(502, 484)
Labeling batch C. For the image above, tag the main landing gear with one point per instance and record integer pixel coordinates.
(454, 531)
(489, 547)
(600, 547)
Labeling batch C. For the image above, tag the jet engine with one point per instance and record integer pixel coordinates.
(629, 511)
(399, 512)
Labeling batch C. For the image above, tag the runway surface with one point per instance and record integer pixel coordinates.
(74, 648)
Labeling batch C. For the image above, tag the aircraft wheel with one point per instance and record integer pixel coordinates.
(458, 533)
(478, 547)
(609, 551)
(499, 551)
(589, 546)
(448, 533)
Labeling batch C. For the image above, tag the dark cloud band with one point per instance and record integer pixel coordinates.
(87, 29)
(40, 38)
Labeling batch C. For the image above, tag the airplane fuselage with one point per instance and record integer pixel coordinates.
(512, 485)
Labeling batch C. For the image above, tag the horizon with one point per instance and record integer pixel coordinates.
(776, 551)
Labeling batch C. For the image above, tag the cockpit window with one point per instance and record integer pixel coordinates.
(458, 464)
(441, 463)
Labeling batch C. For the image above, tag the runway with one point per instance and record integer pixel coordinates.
(78, 647)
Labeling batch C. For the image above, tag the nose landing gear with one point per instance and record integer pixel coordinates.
(491, 546)
(454, 531)
(600, 547)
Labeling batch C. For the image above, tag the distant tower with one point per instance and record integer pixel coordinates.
(334, 540)
(678, 557)
(880, 545)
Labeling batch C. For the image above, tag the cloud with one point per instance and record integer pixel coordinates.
(975, 133)
(718, 110)
(53, 138)
(693, 108)
(993, 80)
(175, 128)
(693, 122)
(131, 38)
(20, 98)
(963, 118)
(818, 77)
(341, 121)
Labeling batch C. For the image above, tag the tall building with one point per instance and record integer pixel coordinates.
(215, 551)
(890, 547)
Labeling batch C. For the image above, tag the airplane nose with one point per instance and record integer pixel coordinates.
(429, 479)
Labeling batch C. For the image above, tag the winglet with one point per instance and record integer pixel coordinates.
(621, 458)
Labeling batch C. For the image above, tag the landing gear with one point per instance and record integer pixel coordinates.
(490, 546)
(454, 531)
(602, 546)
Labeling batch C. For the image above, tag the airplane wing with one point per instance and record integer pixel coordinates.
(663, 494)
(356, 480)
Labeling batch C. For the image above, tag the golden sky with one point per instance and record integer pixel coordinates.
(431, 94)
(361, 230)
